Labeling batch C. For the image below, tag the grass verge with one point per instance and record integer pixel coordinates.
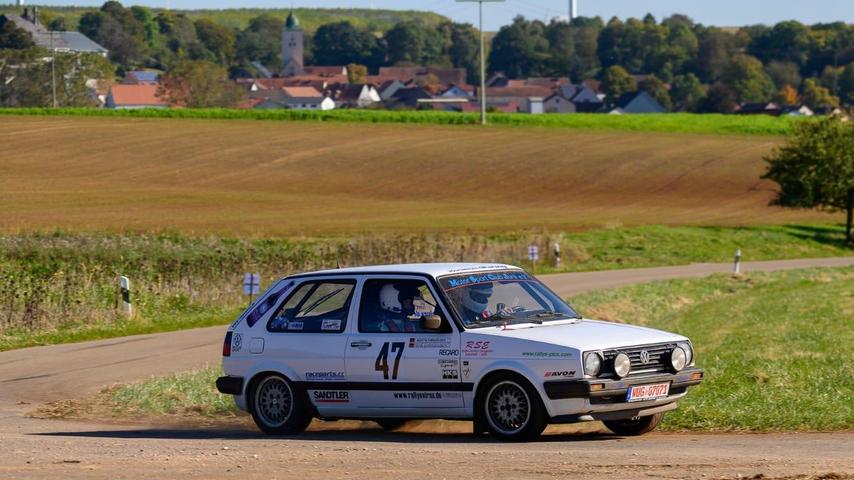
(61, 287)
(669, 123)
(775, 347)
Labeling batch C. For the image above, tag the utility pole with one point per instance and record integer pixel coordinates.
(52, 69)
(482, 58)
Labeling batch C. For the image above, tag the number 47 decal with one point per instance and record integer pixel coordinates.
(381, 365)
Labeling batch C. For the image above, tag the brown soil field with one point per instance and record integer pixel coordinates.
(281, 178)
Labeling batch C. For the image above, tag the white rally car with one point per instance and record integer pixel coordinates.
(454, 341)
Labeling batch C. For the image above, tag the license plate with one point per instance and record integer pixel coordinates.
(639, 393)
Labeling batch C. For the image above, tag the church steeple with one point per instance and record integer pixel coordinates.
(292, 47)
(292, 23)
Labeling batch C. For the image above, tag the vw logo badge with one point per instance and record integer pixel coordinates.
(644, 357)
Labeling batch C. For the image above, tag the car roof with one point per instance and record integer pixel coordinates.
(435, 270)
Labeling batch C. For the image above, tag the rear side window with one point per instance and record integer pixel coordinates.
(315, 307)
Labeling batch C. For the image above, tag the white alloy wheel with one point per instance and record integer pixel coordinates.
(274, 401)
(508, 408)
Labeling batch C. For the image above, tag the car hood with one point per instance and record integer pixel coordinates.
(583, 334)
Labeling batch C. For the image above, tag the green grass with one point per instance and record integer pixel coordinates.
(191, 393)
(776, 348)
(667, 123)
(61, 287)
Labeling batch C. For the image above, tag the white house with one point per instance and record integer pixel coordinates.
(306, 98)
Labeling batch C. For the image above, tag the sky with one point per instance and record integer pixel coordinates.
(717, 12)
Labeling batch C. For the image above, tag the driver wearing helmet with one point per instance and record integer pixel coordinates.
(397, 303)
(476, 302)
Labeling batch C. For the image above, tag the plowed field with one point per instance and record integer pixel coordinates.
(286, 178)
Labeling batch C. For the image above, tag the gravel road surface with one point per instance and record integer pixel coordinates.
(36, 448)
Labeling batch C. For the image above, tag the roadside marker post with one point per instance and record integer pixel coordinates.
(557, 254)
(251, 285)
(737, 266)
(533, 256)
(124, 287)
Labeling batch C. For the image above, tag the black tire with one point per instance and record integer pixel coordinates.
(390, 424)
(512, 409)
(631, 427)
(277, 407)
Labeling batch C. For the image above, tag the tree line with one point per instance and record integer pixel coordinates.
(685, 65)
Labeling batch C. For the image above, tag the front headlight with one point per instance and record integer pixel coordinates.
(678, 359)
(592, 363)
(622, 365)
(689, 352)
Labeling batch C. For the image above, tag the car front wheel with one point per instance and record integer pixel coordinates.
(277, 408)
(512, 410)
(634, 426)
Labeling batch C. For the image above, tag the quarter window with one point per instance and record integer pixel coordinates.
(315, 307)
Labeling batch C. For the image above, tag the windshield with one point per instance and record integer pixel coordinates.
(496, 298)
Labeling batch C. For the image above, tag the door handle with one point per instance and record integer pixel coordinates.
(360, 344)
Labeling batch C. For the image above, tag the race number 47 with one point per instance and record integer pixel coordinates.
(381, 365)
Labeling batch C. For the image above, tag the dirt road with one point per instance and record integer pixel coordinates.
(39, 448)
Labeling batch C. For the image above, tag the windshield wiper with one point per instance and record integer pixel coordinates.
(548, 314)
(320, 300)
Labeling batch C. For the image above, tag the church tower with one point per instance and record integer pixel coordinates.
(292, 47)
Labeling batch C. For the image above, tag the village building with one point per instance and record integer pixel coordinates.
(122, 97)
(62, 42)
(306, 98)
(637, 102)
(293, 47)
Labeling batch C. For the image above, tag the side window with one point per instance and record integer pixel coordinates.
(315, 307)
(396, 306)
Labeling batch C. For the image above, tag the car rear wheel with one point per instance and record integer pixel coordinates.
(513, 410)
(277, 408)
(634, 426)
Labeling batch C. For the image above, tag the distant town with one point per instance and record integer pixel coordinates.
(128, 58)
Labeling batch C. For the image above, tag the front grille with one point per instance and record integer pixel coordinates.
(659, 358)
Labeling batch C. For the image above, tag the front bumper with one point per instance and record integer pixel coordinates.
(604, 390)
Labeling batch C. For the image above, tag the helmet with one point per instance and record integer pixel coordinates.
(476, 297)
(390, 298)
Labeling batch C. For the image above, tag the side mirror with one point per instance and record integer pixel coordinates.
(431, 322)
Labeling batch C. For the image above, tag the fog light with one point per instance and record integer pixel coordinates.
(697, 376)
(678, 359)
(622, 365)
(594, 387)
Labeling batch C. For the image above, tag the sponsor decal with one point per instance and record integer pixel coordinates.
(466, 372)
(449, 352)
(429, 342)
(450, 374)
(236, 342)
(426, 395)
(294, 325)
(331, 396)
(489, 277)
(563, 373)
(477, 348)
(547, 354)
(325, 376)
(448, 363)
(267, 304)
(330, 324)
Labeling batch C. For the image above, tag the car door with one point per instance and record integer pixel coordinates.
(394, 365)
(308, 334)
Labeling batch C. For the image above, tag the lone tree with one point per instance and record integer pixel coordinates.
(816, 168)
